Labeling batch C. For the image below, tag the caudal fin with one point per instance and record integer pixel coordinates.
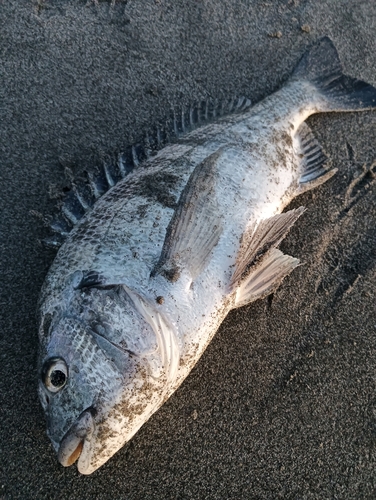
(321, 66)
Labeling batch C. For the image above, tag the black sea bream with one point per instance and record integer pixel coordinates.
(146, 277)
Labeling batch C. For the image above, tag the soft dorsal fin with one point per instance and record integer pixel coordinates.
(195, 227)
(84, 192)
(315, 169)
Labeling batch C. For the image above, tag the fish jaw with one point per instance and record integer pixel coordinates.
(76, 442)
(103, 402)
(90, 443)
(110, 430)
(80, 444)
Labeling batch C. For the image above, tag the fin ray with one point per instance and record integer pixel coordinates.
(77, 203)
(315, 168)
(321, 66)
(259, 242)
(195, 227)
(266, 278)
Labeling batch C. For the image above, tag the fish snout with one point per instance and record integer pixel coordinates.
(73, 442)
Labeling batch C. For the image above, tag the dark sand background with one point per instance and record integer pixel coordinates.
(285, 394)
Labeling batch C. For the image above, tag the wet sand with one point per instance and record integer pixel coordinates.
(282, 404)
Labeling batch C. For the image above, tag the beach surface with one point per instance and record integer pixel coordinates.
(283, 402)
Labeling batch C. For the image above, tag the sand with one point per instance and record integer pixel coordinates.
(283, 403)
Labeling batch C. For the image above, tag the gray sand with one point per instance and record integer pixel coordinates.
(284, 397)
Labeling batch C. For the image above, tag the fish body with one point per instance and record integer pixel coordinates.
(144, 280)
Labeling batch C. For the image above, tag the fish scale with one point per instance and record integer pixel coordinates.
(147, 275)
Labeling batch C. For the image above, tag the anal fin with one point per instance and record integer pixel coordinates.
(266, 277)
(314, 166)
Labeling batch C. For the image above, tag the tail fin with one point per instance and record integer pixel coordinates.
(321, 66)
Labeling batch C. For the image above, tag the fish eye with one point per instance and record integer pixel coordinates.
(55, 374)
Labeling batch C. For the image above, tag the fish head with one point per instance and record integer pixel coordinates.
(96, 390)
(78, 385)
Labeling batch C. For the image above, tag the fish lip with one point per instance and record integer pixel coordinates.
(75, 444)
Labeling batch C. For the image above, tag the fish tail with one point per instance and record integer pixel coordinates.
(321, 66)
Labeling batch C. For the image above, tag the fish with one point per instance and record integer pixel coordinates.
(152, 267)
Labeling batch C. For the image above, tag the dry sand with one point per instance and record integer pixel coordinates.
(283, 402)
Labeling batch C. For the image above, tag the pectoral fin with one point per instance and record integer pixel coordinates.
(195, 227)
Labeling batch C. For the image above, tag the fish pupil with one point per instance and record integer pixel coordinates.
(57, 378)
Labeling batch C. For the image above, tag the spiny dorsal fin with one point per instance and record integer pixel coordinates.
(83, 193)
(195, 227)
(315, 169)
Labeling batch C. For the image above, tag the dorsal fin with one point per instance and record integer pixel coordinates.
(84, 192)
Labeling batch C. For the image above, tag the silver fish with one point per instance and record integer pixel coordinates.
(146, 277)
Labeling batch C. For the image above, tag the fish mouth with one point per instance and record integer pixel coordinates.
(76, 442)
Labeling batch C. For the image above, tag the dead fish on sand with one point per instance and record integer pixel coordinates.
(148, 274)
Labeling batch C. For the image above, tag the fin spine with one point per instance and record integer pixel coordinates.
(76, 202)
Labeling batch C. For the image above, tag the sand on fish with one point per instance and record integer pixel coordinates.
(282, 404)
